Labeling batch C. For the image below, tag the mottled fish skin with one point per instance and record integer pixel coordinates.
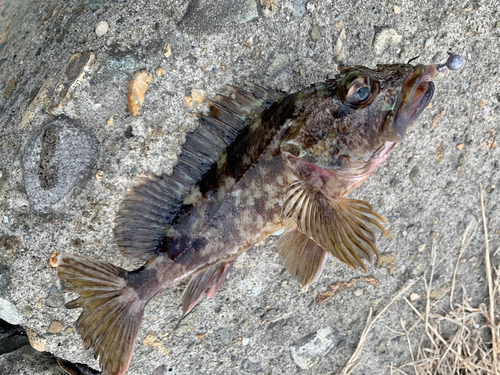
(259, 162)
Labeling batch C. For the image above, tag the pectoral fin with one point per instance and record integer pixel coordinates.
(207, 281)
(344, 227)
(303, 258)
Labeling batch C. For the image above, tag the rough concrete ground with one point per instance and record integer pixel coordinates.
(261, 321)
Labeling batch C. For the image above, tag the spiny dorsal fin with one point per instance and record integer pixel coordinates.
(303, 258)
(207, 281)
(344, 227)
(150, 206)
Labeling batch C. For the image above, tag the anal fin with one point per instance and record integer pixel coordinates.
(303, 258)
(207, 281)
(344, 227)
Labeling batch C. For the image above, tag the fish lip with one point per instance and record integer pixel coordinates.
(415, 96)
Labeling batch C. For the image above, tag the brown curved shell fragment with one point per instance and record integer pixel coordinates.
(137, 90)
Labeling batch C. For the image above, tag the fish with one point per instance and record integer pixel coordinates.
(260, 161)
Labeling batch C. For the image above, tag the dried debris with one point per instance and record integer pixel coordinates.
(340, 286)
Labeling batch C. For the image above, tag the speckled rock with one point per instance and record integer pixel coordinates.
(59, 157)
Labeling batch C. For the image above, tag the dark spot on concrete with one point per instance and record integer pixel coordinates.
(128, 132)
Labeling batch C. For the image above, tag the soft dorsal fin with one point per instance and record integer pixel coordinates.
(303, 258)
(344, 227)
(151, 205)
(207, 281)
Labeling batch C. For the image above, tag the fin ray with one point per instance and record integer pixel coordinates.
(344, 227)
(207, 281)
(301, 256)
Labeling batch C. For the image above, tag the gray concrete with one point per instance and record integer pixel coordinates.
(261, 319)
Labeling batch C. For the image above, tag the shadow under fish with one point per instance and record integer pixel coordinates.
(259, 162)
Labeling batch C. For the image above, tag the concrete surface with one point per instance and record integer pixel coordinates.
(52, 63)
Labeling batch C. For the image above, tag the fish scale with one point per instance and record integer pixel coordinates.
(259, 162)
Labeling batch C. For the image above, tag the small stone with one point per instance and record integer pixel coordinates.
(137, 90)
(54, 298)
(37, 342)
(434, 235)
(460, 169)
(10, 86)
(313, 347)
(167, 50)
(98, 175)
(53, 259)
(422, 247)
(195, 99)
(440, 152)
(382, 344)
(201, 336)
(111, 120)
(414, 174)
(314, 34)
(460, 146)
(358, 292)
(429, 42)
(481, 104)
(159, 72)
(101, 28)
(55, 327)
(397, 9)
(5, 220)
(69, 330)
(311, 6)
(414, 296)
(245, 341)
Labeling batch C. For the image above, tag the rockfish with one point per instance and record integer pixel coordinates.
(259, 161)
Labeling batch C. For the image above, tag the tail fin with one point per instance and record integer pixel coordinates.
(112, 310)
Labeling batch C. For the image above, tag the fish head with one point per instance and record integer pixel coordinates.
(355, 119)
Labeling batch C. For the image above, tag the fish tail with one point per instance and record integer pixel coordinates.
(112, 309)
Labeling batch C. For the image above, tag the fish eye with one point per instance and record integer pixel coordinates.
(358, 88)
(362, 94)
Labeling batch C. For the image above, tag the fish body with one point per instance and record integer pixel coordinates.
(259, 162)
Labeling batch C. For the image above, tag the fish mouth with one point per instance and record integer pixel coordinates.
(416, 95)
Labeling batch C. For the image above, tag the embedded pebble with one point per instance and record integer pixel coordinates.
(414, 174)
(313, 347)
(55, 298)
(422, 247)
(58, 158)
(414, 296)
(358, 292)
(53, 259)
(245, 341)
(55, 327)
(314, 34)
(37, 342)
(137, 91)
(434, 235)
(101, 28)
